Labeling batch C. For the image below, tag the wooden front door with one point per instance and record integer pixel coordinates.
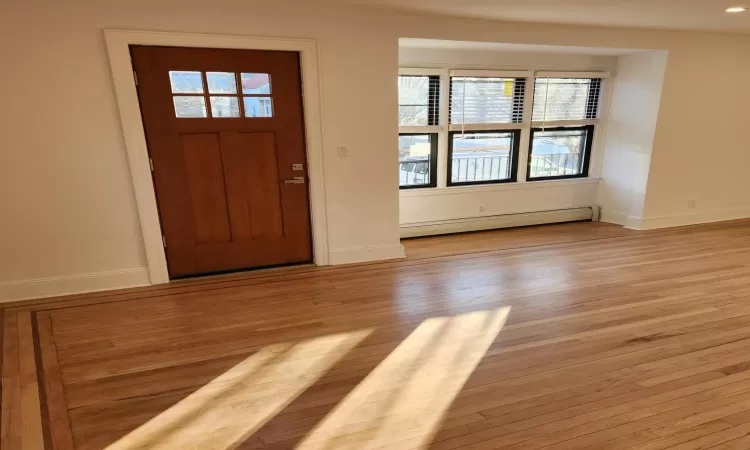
(226, 139)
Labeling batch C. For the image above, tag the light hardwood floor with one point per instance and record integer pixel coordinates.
(569, 337)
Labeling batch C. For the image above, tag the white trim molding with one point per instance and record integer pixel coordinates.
(367, 254)
(421, 129)
(563, 123)
(118, 47)
(618, 218)
(486, 126)
(419, 71)
(73, 284)
(677, 220)
(572, 74)
(411, 230)
(501, 187)
(492, 73)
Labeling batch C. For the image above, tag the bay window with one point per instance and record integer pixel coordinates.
(467, 127)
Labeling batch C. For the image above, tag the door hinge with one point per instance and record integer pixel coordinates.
(135, 77)
(151, 164)
(163, 241)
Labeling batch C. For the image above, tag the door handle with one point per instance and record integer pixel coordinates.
(295, 180)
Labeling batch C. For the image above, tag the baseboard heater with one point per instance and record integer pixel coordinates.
(411, 230)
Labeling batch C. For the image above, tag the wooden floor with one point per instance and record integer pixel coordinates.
(567, 337)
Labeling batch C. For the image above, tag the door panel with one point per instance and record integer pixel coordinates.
(224, 128)
(254, 186)
(205, 178)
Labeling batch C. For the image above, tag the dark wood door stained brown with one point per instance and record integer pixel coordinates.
(220, 173)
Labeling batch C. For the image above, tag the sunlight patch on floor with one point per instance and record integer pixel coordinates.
(230, 408)
(402, 401)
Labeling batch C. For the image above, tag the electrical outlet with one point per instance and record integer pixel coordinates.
(343, 151)
(691, 204)
(481, 208)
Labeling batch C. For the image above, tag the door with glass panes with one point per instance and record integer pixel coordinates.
(225, 134)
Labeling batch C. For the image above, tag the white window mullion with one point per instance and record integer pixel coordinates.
(564, 123)
(600, 131)
(427, 129)
(486, 126)
(523, 152)
(443, 136)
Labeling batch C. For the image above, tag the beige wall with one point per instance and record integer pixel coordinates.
(631, 125)
(68, 211)
(68, 203)
(701, 146)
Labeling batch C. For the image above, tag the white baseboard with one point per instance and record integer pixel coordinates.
(618, 218)
(365, 254)
(494, 222)
(679, 220)
(72, 284)
(650, 223)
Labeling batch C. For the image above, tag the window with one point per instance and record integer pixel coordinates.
(561, 152)
(419, 124)
(258, 107)
(486, 116)
(486, 100)
(565, 112)
(417, 160)
(474, 134)
(256, 92)
(418, 100)
(558, 99)
(482, 157)
(189, 94)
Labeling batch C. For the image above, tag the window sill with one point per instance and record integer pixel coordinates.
(495, 187)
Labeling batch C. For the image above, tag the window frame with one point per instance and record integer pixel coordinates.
(585, 165)
(433, 161)
(435, 131)
(591, 124)
(499, 126)
(514, 154)
(207, 95)
(522, 130)
(588, 118)
(434, 110)
(516, 127)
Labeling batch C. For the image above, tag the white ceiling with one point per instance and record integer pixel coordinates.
(664, 14)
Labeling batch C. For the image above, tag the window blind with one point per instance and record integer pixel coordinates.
(418, 100)
(486, 100)
(558, 99)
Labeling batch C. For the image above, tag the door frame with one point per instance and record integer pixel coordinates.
(118, 46)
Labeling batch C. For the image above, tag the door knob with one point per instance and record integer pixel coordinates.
(295, 180)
